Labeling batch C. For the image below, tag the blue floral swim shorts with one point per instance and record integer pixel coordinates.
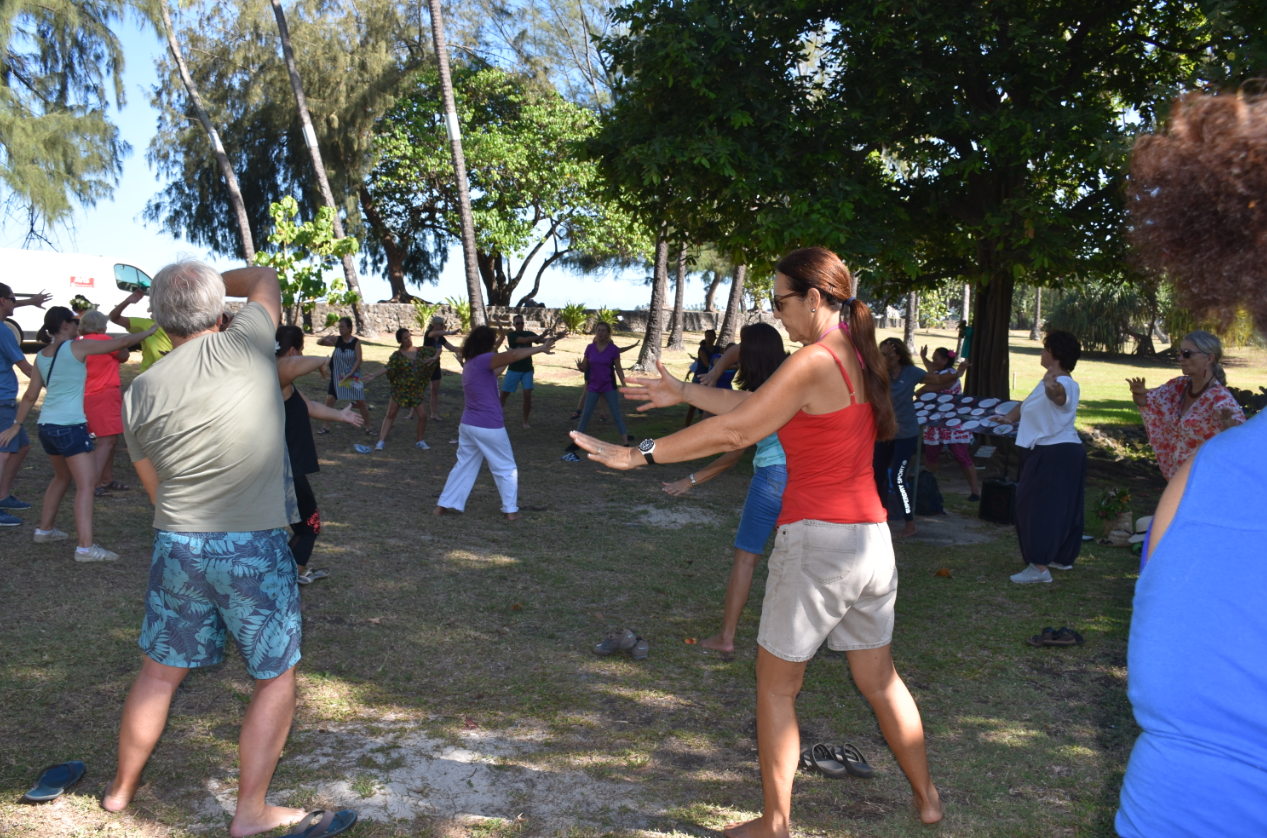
(204, 583)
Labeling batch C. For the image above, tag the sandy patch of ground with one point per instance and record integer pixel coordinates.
(674, 519)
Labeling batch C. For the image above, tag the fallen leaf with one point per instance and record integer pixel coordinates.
(690, 641)
(516, 606)
(469, 723)
(598, 615)
(378, 621)
(945, 571)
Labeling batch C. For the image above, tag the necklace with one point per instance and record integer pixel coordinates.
(1197, 395)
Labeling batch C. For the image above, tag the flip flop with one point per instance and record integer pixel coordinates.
(54, 780)
(854, 761)
(1056, 637)
(101, 492)
(323, 824)
(824, 759)
(115, 485)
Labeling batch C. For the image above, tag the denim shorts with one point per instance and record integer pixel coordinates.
(511, 382)
(761, 508)
(66, 440)
(204, 583)
(8, 413)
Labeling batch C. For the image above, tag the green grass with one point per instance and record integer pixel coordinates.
(482, 631)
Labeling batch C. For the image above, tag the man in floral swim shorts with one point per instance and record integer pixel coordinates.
(206, 432)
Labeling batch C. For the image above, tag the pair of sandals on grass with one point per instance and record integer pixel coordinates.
(55, 779)
(112, 486)
(1063, 636)
(836, 761)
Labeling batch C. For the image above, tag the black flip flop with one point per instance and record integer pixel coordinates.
(824, 759)
(1062, 636)
(854, 761)
(54, 780)
(323, 824)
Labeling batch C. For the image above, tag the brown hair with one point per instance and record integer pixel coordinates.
(903, 354)
(1198, 202)
(288, 338)
(819, 268)
(760, 354)
(481, 339)
(401, 334)
(54, 319)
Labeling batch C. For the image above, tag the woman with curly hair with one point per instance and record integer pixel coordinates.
(1198, 202)
(1186, 411)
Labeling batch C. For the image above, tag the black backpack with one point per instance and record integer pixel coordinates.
(928, 495)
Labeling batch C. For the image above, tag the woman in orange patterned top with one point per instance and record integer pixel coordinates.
(1186, 411)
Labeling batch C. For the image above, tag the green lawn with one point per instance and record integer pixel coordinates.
(447, 686)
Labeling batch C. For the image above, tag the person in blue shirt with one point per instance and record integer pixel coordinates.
(1198, 684)
(14, 452)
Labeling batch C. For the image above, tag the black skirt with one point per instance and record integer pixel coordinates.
(1049, 503)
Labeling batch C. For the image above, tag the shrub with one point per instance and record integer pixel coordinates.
(462, 309)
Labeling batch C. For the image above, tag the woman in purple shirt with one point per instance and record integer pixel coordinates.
(602, 367)
(482, 433)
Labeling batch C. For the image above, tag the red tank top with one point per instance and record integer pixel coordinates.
(829, 472)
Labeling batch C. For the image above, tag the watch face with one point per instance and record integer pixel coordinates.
(646, 445)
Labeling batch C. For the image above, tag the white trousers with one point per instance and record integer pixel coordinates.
(475, 445)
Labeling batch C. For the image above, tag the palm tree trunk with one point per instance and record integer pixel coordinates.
(912, 315)
(711, 292)
(222, 158)
(473, 289)
(675, 334)
(650, 352)
(310, 139)
(734, 308)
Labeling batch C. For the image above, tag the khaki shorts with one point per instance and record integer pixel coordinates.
(833, 582)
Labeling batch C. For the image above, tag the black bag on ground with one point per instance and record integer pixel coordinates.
(928, 496)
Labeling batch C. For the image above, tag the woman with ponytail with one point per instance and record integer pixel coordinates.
(832, 574)
(1186, 411)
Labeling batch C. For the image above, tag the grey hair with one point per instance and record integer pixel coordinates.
(1211, 345)
(437, 319)
(93, 322)
(187, 297)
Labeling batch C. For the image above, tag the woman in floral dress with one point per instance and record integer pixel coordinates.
(1186, 411)
(956, 440)
(408, 371)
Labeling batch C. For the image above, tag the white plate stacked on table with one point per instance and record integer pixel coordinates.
(970, 425)
(946, 397)
(989, 402)
(928, 397)
(1005, 408)
(954, 423)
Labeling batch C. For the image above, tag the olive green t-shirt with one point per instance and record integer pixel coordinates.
(153, 347)
(210, 419)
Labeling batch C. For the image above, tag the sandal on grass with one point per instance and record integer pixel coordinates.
(823, 758)
(116, 486)
(1062, 636)
(54, 780)
(853, 761)
(323, 823)
(101, 492)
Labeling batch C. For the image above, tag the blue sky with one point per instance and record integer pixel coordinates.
(115, 228)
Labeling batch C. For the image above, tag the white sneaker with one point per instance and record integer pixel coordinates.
(96, 553)
(1061, 566)
(1031, 575)
(422, 443)
(380, 445)
(52, 535)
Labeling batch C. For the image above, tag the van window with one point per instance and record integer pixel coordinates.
(129, 278)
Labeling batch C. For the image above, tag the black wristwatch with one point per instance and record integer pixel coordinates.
(647, 446)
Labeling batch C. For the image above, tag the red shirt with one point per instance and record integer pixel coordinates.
(103, 370)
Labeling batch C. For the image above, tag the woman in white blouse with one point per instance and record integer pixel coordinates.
(1052, 489)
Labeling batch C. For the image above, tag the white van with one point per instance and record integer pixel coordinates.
(103, 281)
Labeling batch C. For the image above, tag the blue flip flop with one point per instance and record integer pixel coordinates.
(323, 824)
(54, 780)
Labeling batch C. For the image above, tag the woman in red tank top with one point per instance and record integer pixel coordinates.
(832, 575)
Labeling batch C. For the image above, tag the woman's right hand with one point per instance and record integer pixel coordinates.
(1137, 386)
(665, 391)
(709, 379)
(678, 487)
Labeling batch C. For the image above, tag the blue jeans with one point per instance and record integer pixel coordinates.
(65, 440)
(761, 508)
(613, 404)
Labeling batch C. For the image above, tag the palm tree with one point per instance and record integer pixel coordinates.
(473, 287)
(650, 352)
(226, 167)
(675, 333)
(310, 139)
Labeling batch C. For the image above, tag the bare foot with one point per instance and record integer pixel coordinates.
(439, 510)
(513, 516)
(112, 802)
(931, 809)
(907, 531)
(265, 821)
(757, 828)
(719, 643)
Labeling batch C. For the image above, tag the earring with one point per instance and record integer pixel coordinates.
(812, 310)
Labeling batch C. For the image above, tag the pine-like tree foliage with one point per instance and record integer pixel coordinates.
(61, 65)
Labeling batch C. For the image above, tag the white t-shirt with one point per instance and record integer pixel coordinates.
(1043, 422)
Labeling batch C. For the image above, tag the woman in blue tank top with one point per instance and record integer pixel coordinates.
(1198, 679)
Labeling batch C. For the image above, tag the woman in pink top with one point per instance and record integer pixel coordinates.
(482, 434)
(601, 366)
(103, 401)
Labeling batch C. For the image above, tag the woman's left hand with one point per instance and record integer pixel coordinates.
(678, 487)
(352, 417)
(613, 456)
(665, 391)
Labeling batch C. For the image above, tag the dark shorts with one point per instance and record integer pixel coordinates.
(8, 413)
(204, 583)
(761, 508)
(66, 440)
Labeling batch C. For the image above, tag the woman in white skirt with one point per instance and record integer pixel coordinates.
(482, 434)
(345, 383)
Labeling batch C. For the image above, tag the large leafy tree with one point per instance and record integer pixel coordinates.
(61, 64)
(921, 140)
(535, 201)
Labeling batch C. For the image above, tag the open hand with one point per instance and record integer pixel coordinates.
(678, 487)
(613, 456)
(7, 435)
(352, 417)
(38, 300)
(547, 346)
(1227, 418)
(709, 379)
(664, 391)
(963, 365)
(135, 297)
(1137, 386)
(580, 364)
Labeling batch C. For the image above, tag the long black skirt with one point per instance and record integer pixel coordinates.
(1049, 503)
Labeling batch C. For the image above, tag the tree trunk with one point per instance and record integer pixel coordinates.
(651, 341)
(391, 247)
(912, 316)
(988, 375)
(675, 334)
(473, 290)
(966, 309)
(222, 158)
(711, 293)
(734, 309)
(1036, 331)
(310, 138)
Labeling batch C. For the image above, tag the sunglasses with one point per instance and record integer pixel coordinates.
(776, 300)
(1188, 353)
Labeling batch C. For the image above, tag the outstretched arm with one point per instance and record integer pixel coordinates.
(667, 391)
(83, 348)
(347, 415)
(37, 300)
(116, 314)
(296, 366)
(721, 465)
(620, 349)
(729, 358)
(502, 359)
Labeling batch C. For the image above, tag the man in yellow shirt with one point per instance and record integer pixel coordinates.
(153, 347)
